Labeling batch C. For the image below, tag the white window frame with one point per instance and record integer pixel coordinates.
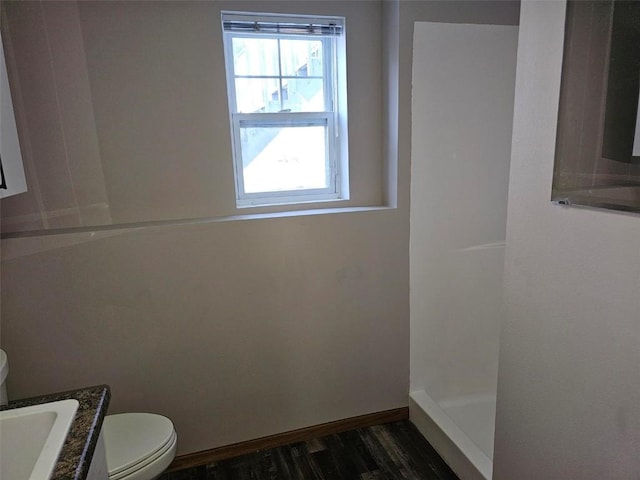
(334, 118)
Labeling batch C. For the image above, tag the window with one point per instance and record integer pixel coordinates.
(286, 83)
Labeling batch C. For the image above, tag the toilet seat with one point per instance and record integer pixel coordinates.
(139, 446)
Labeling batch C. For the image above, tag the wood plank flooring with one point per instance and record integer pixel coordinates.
(383, 452)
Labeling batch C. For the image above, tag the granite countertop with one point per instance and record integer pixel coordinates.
(77, 451)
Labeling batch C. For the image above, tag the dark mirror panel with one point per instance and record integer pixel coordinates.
(597, 160)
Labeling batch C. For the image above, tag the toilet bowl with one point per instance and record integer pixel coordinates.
(138, 446)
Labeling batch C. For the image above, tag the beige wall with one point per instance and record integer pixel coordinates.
(122, 109)
(234, 329)
(569, 372)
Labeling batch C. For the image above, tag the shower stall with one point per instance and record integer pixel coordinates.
(462, 110)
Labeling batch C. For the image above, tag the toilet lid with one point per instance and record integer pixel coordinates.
(131, 438)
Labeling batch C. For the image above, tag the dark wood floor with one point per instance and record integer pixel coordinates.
(385, 452)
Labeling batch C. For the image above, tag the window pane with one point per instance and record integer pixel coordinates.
(284, 158)
(301, 58)
(255, 56)
(303, 95)
(256, 95)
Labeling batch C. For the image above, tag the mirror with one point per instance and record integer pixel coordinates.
(597, 160)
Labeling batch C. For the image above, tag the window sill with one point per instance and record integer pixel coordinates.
(193, 221)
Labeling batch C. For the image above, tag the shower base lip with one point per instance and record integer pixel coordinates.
(461, 453)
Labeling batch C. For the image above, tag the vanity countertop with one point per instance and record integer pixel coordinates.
(77, 452)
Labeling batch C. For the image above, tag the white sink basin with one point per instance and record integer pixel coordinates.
(31, 439)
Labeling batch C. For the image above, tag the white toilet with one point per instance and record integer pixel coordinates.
(138, 446)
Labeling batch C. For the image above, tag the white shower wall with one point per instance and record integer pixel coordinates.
(462, 108)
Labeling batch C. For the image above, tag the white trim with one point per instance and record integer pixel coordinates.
(90, 233)
(320, 119)
(464, 457)
(271, 22)
(10, 152)
(333, 118)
